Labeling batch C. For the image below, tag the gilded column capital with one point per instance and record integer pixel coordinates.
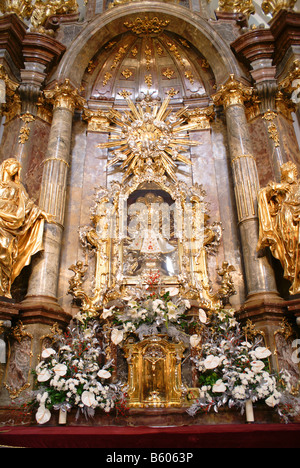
(273, 7)
(98, 121)
(65, 96)
(232, 93)
(200, 117)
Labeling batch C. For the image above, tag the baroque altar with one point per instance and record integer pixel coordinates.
(150, 238)
(149, 132)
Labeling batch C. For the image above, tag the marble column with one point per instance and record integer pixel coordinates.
(43, 283)
(256, 48)
(260, 278)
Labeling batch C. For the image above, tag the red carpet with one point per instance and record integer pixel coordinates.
(192, 437)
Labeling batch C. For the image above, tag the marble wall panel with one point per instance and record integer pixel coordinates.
(262, 149)
(9, 140)
(30, 154)
(19, 365)
(288, 140)
(35, 153)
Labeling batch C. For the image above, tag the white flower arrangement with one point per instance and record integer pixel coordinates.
(71, 377)
(152, 314)
(233, 370)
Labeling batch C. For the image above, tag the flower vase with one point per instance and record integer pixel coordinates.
(62, 417)
(249, 412)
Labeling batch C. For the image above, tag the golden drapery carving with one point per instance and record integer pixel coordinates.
(21, 225)
(279, 218)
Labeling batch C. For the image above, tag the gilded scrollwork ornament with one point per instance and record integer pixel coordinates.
(77, 290)
(270, 117)
(289, 90)
(227, 288)
(25, 129)
(146, 25)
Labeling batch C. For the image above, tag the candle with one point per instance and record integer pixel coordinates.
(249, 412)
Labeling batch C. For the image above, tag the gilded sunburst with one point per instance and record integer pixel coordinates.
(149, 137)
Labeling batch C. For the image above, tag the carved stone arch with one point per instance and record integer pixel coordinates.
(181, 21)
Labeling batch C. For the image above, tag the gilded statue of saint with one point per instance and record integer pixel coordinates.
(279, 219)
(21, 225)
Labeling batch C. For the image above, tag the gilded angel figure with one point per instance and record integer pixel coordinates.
(279, 220)
(21, 225)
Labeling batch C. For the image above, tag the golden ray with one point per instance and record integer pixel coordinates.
(143, 134)
(163, 108)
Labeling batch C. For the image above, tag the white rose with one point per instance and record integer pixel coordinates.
(117, 336)
(211, 362)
